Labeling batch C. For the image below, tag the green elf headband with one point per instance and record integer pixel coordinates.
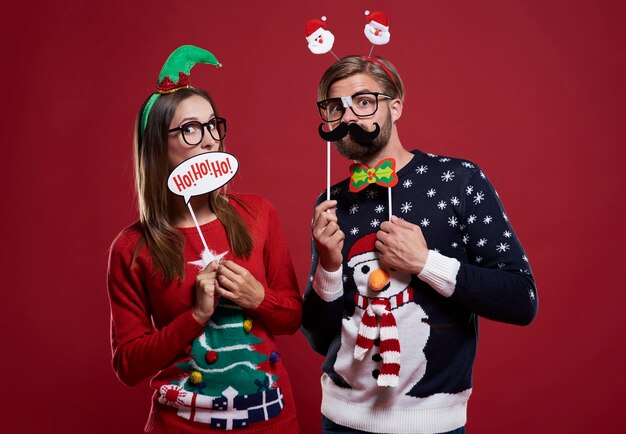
(175, 74)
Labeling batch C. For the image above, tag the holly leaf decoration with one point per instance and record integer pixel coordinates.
(359, 178)
(385, 174)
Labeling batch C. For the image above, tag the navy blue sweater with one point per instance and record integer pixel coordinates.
(461, 217)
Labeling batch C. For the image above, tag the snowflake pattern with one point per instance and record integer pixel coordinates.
(502, 247)
(469, 220)
(447, 176)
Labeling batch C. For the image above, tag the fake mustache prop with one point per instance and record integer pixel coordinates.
(359, 134)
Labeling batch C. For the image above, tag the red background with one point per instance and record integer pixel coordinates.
(533, 91)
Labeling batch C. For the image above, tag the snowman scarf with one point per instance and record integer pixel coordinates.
(387, 331)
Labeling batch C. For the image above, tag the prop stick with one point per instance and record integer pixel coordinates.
(199, 175)
(389, 197)
(195, 221)
(327, 170)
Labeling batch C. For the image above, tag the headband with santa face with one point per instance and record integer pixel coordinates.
(320, 40)
(175, 74)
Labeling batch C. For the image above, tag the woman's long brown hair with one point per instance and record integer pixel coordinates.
(164, 242)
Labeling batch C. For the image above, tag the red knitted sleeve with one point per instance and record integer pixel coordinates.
(139, 350)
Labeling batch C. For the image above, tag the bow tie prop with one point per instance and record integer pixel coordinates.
(383, 173)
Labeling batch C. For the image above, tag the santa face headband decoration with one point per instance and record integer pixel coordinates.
(175, 74)
(377, 28)
(319, 39)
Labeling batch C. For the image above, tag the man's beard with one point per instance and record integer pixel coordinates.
(358, 150)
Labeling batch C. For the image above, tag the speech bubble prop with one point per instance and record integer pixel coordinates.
(202, 174)
(199, 175)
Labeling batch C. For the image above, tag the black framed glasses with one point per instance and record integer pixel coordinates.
(193, 132)
(362, 104)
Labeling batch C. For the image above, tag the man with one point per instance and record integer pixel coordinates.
(393, 305)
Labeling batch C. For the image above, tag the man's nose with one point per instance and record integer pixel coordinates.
(348, 116)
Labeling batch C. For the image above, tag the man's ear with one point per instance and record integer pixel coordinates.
(396, 109)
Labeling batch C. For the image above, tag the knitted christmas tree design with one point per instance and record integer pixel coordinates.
(223, 356)
(222, 385)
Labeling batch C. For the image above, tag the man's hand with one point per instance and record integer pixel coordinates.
(237, 284)
(327, 236)
(401, 246)
(206, 294)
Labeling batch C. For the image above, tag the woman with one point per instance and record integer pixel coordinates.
(200, 323)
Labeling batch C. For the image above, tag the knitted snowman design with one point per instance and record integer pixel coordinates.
(382, 343)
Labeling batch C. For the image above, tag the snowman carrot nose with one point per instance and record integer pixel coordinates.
(378, 280)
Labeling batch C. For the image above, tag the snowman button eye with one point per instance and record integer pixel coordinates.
(365, 269)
